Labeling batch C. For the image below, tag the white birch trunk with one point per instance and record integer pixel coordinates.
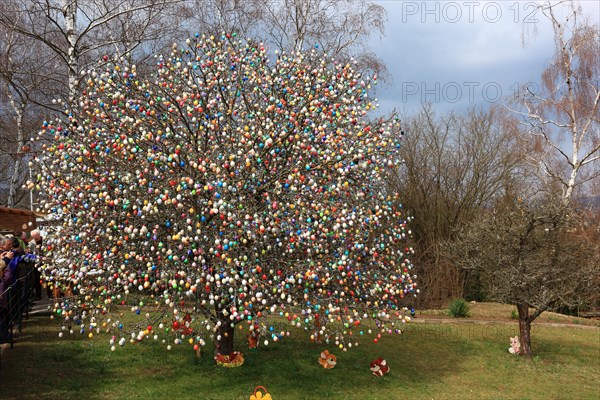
(14, 180)
(70, 15)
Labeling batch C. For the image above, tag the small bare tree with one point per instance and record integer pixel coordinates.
(536, 256)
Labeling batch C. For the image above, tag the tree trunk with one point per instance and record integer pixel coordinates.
(70, 15)
(14, 180)
(223, 338)
(12, 190)
(524, 329)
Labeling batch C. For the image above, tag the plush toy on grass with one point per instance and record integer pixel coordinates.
(327, 360)
(515, 345)
(253, 337)
(379, 367)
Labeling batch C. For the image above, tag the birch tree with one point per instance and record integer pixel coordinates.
(563, 114)
(78, 32)
(26, 80)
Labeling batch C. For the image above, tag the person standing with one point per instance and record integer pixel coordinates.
(21, 237)
(6, 281)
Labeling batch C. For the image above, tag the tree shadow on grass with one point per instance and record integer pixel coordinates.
(41, 366)
(290, 370)
(78, 367)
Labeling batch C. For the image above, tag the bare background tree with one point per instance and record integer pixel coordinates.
(47, 47)
(26, 82)
(453, 166)
(339, 28)
(217, 16)
(79, 32)
(563, 116)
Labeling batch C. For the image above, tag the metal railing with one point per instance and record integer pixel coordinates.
(20, 296)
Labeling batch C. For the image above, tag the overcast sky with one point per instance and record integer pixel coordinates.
(458, 53)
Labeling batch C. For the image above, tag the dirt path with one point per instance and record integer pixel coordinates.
(466, 321)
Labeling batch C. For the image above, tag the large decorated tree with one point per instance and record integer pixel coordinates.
(228, 187)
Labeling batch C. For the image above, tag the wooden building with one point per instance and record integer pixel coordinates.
(16, 219)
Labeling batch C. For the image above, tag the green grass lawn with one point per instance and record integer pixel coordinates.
(429, 361)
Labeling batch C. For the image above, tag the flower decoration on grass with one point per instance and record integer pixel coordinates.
(259, 395)
(235, 359)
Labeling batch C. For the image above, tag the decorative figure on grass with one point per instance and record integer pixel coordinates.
(259, 395)
(253, 337)
(379, 367)
(327, 360)
(235, 359)
(515, 346)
